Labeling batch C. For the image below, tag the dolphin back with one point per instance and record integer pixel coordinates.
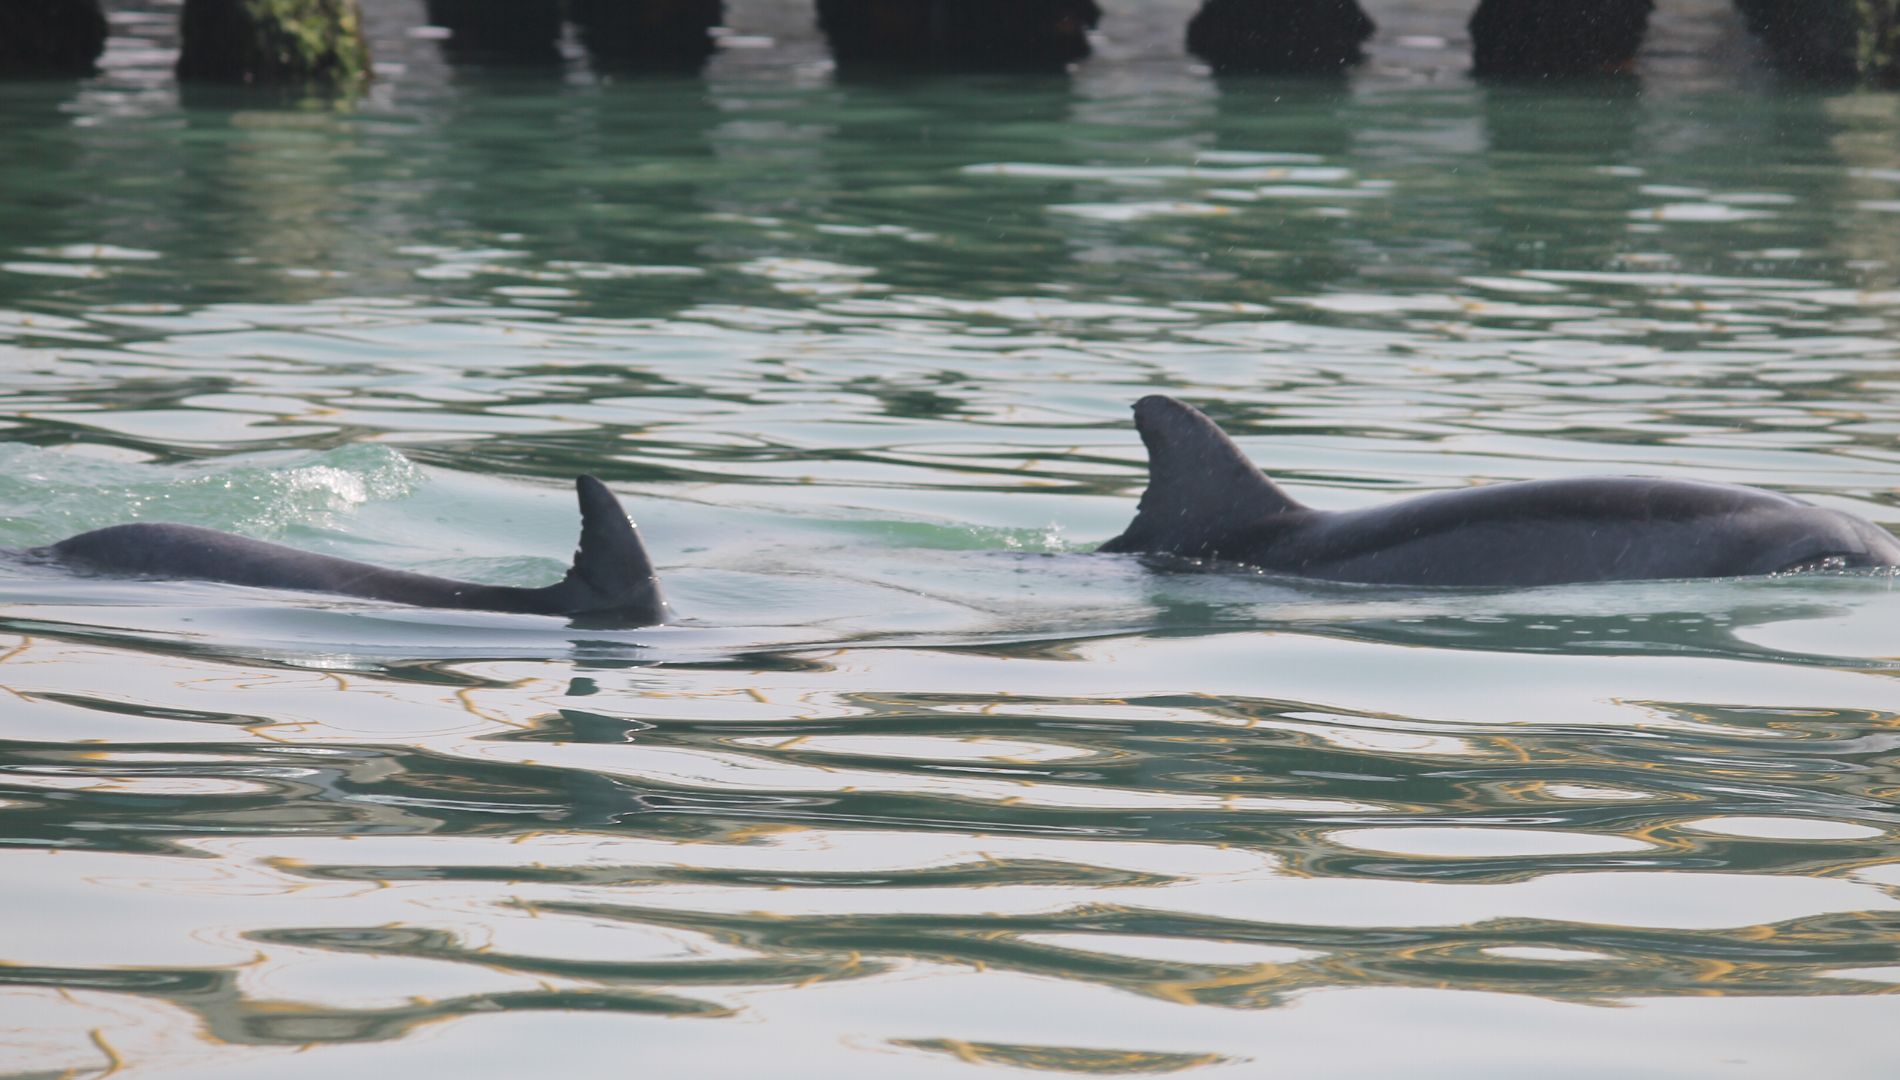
(1201, 487)
(610, 581)
(1206, 500)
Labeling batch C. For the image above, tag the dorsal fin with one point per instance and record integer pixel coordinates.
(1200, 486)
(611, 570)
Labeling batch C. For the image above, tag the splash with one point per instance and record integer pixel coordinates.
(46, 494)
(323, 491)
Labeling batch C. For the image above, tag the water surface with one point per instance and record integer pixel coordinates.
(920, 787)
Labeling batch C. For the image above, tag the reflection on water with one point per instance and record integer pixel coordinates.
(922, 787)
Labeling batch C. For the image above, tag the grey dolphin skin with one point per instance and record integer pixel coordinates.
(1205, 500)
(611, 581)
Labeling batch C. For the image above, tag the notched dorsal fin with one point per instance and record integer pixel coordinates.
(611, 570)
(1200, 486)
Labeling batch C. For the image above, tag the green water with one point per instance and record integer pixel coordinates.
(921, 788)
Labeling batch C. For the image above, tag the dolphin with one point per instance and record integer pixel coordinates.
(611, 580)
(1205, 500)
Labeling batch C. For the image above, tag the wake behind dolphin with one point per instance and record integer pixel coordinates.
(611, 579)
(1205, 500)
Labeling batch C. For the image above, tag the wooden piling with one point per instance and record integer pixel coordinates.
(1557, 38)
(505, 32)
(50, 37)
(647, 34)
(273, 42)
(996, 35)
(1829, 40)
(1279, 36)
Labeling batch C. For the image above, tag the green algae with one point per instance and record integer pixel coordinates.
(274, 42)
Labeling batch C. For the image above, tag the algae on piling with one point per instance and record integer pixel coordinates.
(273, 42)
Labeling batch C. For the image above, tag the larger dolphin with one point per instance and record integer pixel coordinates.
(1205, 500)
(611, 580)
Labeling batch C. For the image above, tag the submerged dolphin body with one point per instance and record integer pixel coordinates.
(612, 579)
(1205, 500)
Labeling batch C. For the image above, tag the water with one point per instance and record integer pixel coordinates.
(920, 787)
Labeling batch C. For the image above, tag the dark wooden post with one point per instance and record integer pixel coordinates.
(51, 37)
(1279, 36)
(647, 34)
(273, 42)
(499, 31)
(1007, 35)
(1836, 40)
(1548, 38)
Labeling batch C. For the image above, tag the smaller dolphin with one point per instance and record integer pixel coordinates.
(1205, 500)
(611, 581)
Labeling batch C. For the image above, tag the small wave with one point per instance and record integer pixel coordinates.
(46, 493)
